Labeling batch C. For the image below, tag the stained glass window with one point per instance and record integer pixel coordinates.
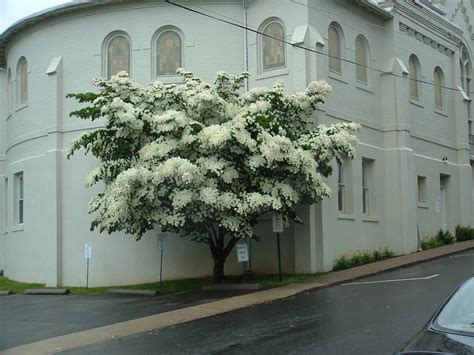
(118, 55)
(273, 49)
(168, 53)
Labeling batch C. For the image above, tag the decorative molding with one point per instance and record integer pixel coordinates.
(467, 20)
(416, 12)
(425, 39)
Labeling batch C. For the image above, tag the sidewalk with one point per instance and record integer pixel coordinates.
(186, 314)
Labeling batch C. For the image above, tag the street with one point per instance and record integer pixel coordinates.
(357, 318)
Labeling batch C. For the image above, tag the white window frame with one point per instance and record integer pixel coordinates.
(19, 190)
(105, 52)
(262, 28)
(154, 51)
(341, 188)
(414, 78)
(368, 203)
(5, 205)
(422, 190)
(19, 82)
(336, 57)
(438, 79)
(362, 66)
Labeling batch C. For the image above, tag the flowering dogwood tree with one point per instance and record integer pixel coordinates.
(204, 160)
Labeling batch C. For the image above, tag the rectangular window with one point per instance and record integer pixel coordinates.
(422, 196)
(5, 204)
(344, 186)
(341, 187)
(19, 201)
(367, 186)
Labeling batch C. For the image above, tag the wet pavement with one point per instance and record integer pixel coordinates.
(29, 318)
(375, 317)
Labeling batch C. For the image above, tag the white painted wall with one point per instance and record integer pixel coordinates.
(403, 140)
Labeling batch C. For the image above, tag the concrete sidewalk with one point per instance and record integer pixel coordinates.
(167, 319)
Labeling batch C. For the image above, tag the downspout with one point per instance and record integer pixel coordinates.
(246, 52)
(246, 67)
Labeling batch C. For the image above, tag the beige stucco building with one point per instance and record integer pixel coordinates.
(402, 69)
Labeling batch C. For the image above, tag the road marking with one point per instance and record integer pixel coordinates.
(460, 256)
(395, 280)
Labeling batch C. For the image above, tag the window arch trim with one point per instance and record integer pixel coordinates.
(264, 41)
(362, 72)
(336, 54)
(9, 91)
(22, 82)
(105, 52)
(414, 76)
(438, 79)
(154, 52)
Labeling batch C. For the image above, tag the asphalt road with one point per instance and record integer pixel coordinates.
(28, 318)
(357, 318)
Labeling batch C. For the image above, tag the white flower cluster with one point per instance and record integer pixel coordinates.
(197, 155)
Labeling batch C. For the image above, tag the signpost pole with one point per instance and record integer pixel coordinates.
(161, 266)
(279, 255)
(87, 277)
(278, 227)
(87, 255)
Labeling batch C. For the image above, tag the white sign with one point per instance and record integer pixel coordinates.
(162, 241)
(88, 250)
(277, 223)
(242, 253)
(437, 207)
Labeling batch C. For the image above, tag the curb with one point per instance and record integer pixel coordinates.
(47, 291)
(232, 287)
(131, 292)
(6, 293)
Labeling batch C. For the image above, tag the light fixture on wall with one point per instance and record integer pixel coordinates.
(445, 159)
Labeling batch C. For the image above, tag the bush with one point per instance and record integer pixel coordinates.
(440, 239)
(464, 233)
(445, 237)
(361, 257)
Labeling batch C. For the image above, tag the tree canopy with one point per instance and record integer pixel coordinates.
(206, 160)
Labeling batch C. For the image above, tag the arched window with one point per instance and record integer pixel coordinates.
(465, 66)
(465, 73)
(22, 81)
(361, 51)
(168, 49)
(117, 54)
(335, 46)
(271, 46)
(414, 76)
(438, 79)
(9, 91)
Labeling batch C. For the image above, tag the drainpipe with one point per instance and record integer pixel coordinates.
(246, 67)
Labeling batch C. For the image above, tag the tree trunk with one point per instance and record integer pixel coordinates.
(218, 271)
(219, 252)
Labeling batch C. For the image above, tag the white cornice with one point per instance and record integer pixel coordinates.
(418, 13)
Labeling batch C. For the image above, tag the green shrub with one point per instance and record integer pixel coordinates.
(361, 257)
(342, 262)
(464, 233)
(387, 253)
(442, 238)
(445, 237)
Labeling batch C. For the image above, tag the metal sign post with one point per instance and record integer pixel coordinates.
(88, 256)
(278, 228)
(162, 244)
(242, 255)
